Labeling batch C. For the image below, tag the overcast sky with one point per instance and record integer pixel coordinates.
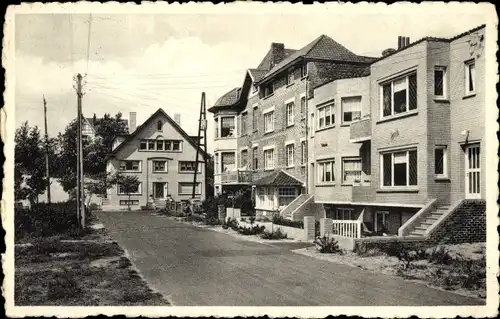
(143, 62)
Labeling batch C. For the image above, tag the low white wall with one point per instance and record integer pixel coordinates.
(291, 232)
(344, 242)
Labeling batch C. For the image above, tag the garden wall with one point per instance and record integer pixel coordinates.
(292, 232)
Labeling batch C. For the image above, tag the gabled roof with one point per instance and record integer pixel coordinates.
(322, 48)
(278, 178)
(265, 64)
(90, 121)
(328, 72)
(174, 124)
(257, 74)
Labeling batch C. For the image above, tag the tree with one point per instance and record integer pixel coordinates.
(209, 173)
(99, 185)
(128, 185)
(29, 169)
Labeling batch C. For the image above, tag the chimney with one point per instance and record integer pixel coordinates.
(177, 118)
(132, 122)
(403, 42)
(277, 53)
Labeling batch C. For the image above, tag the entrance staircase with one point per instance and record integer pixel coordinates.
(428, 219)
(303, 205)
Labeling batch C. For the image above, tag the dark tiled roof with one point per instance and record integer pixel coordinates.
(327, 72)
(265, 64)
(257, 74)
(324, 48)
(278, 178)
(229, 98)
(91, 121)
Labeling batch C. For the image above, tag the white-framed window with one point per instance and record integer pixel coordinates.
(187, 188)
(244, 158)
(255, 117)
(160, 145)
(255, 157)
(470, 77)
(160, 166)
(143, 145)
(289, 114)
(441, 161)
(380, 223)
(351, 109)
(137, 191)
(304, 70)
(286, 195)
(244, 119)
(228, 161)
(227, 126)
(440, 82)
(303, 152)
(326, 116)
(290, 77)
(151, 145)
(269, 158)
(303, 105)
(190, 166)
(176, 146)
(399, 168)
(216, 128)
(351, 170)
(159, 126)
(326, 171)
(130, 166)
(399, 95)
(344, 214)
(269, 122)
(289, 152)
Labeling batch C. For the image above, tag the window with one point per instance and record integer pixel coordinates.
(303, 152)
(268, 89)
(244, 119)
(176, 145)
(290, 77)
(441, 161)
(304, 70)
(399, 168)
(440, 81)
(127, 202)
(269, 122)
(344, 214)
(269, 159)
(255, 160)
(290, 149)
(151, 145)
(266, 197)
(381, 221)
(216, 128)
(326, 171)
(216, 163)
(351, 170)
(160, 166)
(159, 145)
(136, 191)
(254, 118)
(244, 158)
(326, 116)
(143, 145)
(228, 161)
(286, 195)
(289, 114)
(190, 166)
(159, 126)
(303, 105)
(227, 126)
(187, 188)
(351, 109)
(130, 166)
(399, 96)
(470, 77)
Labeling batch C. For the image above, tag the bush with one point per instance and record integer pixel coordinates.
(254, 230)
(328, 245)
(195, 218)
(439, 255)
(277, 234)
(231, 223)
(279, 220)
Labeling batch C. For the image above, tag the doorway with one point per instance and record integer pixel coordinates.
(472, 172)
(160, 190)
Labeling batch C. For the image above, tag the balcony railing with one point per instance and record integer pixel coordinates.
(236, 177)
(361, 130)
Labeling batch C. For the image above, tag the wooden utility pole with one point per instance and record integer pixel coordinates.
(202, 126)
(46, 149)
(80, 197)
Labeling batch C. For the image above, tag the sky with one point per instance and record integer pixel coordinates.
(141, 62)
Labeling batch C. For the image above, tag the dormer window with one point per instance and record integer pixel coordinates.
(159, 126)
(290, 77)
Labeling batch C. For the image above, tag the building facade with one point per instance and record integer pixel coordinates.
(410, 150)
(163, 157)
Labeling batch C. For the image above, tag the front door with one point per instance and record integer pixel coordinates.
(160, 190)
(472, 172)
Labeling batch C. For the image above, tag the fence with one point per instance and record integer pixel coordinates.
(347, 228)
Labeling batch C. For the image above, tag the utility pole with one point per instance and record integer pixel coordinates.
(46, 149)
(202, 126)
(80, 197)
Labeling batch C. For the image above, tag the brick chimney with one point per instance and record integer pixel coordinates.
(403, 42)
(132, 122)
(277, 53)
(177, 118)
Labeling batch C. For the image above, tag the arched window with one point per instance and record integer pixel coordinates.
(159, 125)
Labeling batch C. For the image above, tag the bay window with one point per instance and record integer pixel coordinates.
(399, 168)
(286, 195)
(227, 126)
(399, 96)
(228, 161)
(326, 116)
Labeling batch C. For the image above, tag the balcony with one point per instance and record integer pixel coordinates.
(361, 130)
(236, 177)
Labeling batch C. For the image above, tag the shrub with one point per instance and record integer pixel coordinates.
(195, 218)
(279, 220)
(439, 255)
(277, 234)
(231, 223)
(327, 245)
(254, 230)
(363, 251)
(252, 220)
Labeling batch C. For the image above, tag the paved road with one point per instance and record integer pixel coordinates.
(195, 266)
